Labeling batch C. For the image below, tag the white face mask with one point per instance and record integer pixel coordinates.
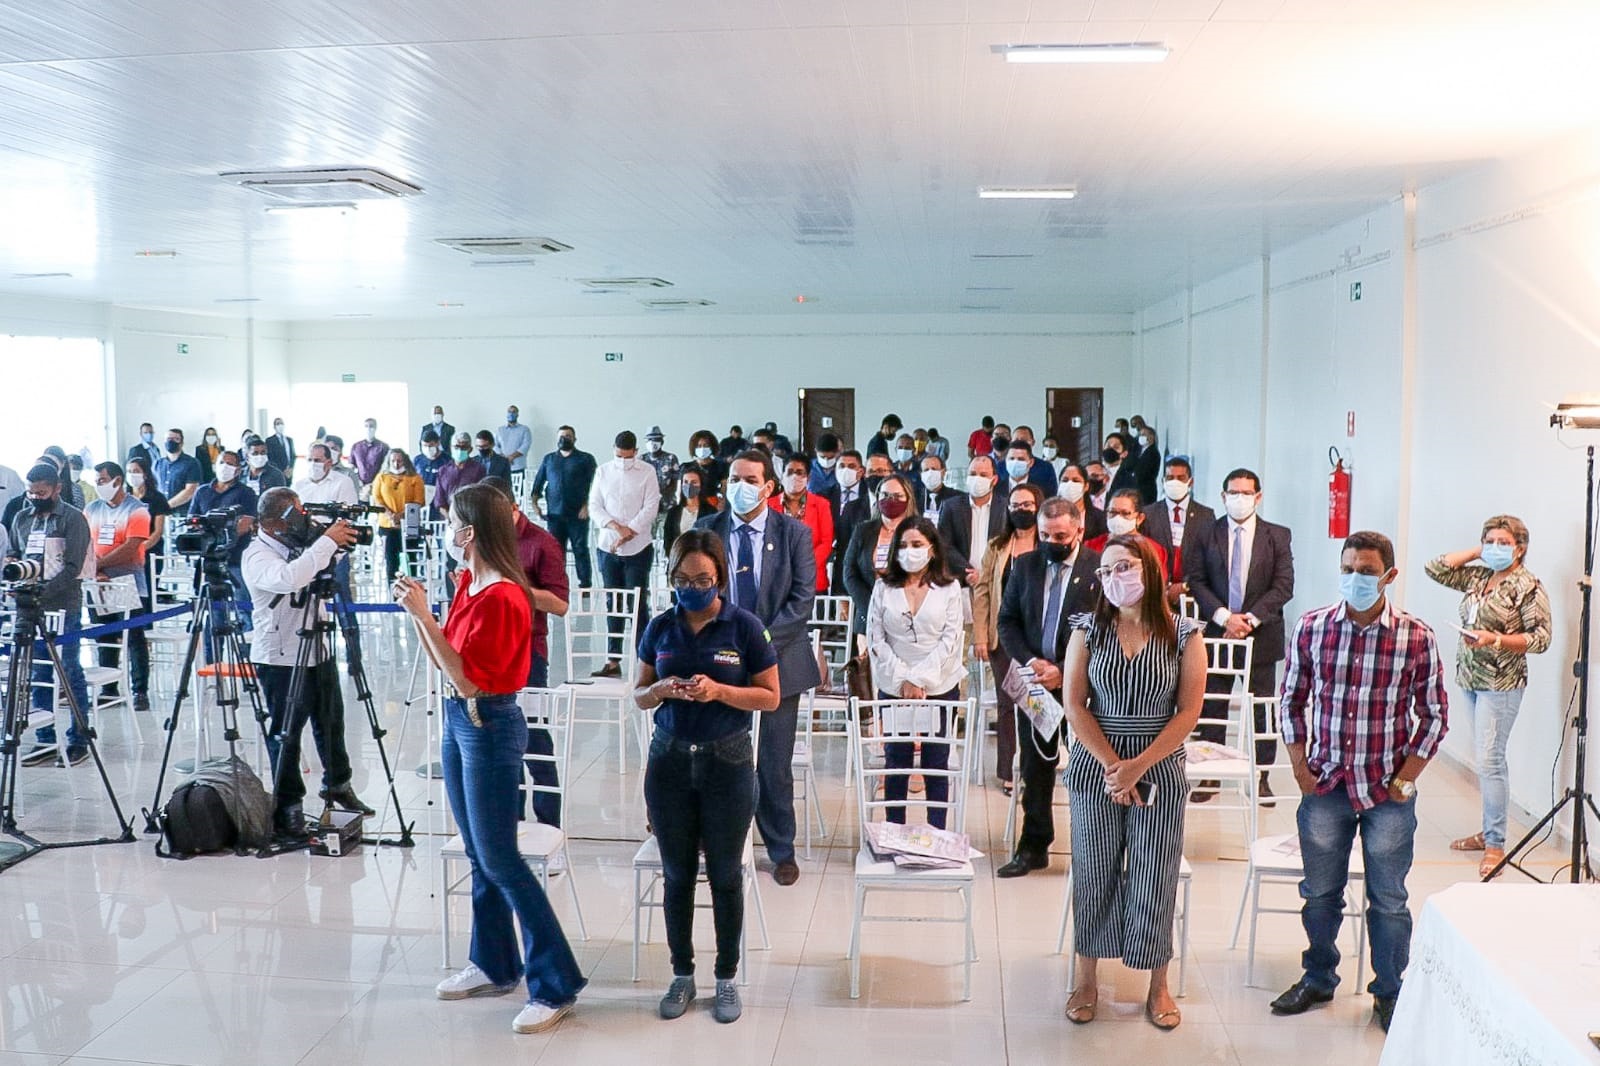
(1047, 453)
(653, 445)
(979, 487)
(257, 461)
(226, 472)
(628, 461)
(211, 439)
(431, 451)
(107, 491)
(702, 452)
(277, 427)
(1120, 525)
(1070, 490)
(396, 469)
(913, 560)
(933, 480)
(849, 476)
(372, 432)
(1177, 491)
(319, 471)
(135, 479)
(1240, 505)
(794, 484)
(458, 552)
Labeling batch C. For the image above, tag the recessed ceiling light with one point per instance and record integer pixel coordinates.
(804, 299)
(625, 283)
(981, 307)
(1027, 192)
(447, 303)
(991, 288)
(337, 207)
(503, 262)
(239, 300)
(1127, 52)
(40, 276)
(983, 257)
(151, 254)
(354, 314)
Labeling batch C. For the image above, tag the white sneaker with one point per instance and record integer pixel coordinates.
(471, 982)
(537, 1018)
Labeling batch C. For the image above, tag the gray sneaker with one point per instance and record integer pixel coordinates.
(679, 995)
(727, 1007)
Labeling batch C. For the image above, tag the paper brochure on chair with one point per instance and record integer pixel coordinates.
(920, 846)
(1210, 751)
(1034, 700)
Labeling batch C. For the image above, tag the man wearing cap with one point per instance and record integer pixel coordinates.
(623, 502)
(514, 440)
(665, 465)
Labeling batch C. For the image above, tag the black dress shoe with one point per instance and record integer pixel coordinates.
(786, 872)
(1300, 998)
(345, 799)
(290, 821)
(1022, 864)
(1205, 791)
(1264, 793)
(1383, 1011)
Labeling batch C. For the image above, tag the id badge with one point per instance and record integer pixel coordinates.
(108, 535)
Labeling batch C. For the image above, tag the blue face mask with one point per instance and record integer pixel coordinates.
(1017, 468)
(1360, 591)
(511, 418)
(693, 599)
(744, 497)
(1498, 557)
(148, 438)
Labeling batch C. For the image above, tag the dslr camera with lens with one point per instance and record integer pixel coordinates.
(208, 536)
(326, 514)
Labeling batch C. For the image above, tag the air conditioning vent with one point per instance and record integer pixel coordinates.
(676, 305)
(317, 185)
(625, 283)
(511, 246)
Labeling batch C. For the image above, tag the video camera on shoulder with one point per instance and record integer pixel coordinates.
(211, 535)
(324, 515)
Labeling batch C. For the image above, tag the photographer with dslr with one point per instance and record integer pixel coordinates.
(56, 537)
(279, 566)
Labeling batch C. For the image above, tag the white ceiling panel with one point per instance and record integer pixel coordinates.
(746, 150)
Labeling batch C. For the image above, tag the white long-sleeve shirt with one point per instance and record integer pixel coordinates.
(925, 650)
(334, 488)
(629, 496)
(271, 575)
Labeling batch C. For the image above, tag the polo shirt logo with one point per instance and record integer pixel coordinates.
(726, 658)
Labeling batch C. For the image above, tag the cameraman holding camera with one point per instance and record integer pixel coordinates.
(326, 484)
(279, 566)
(56, 536)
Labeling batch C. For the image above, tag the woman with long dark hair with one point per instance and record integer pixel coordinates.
(703, 668)
(484, 651)
(916, 630)
(868, 552)
(1018, 536)
(1143, 673)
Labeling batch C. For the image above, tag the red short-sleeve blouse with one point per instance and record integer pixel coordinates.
(492, 631)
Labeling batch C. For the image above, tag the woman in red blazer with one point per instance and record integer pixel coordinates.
(809, 508)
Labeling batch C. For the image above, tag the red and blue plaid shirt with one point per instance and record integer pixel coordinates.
(1362, 699)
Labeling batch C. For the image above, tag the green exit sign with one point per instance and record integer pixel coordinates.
(183, 349)
(347, 378)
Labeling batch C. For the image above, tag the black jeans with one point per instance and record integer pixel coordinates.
(1038, 785)
(323, 705)
(546, 805)
(627, 572)
(391, 550)
(897, 756)
(573, 533)
(109, 652)
(702, 796)
(1263, 682)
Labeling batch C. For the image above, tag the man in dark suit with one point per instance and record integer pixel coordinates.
(1147, 465)
(445, 430)
(1045, 589)
(851, 506)
(979, 512)
(280, 449)
(773, 574)
(932, 492)
(1240, 570)
(1177, 522)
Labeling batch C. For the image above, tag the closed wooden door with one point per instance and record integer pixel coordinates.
(1072, 417)
(827, 411)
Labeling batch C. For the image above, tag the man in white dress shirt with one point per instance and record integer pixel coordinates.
(326, 483)
(623, 501)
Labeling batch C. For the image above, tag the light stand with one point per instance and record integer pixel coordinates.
(1578, 794)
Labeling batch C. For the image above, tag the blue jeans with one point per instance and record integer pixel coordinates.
(42, 669)
(1493, 714)
(482, 767)
(1328, 827)
(573, 533)
(627, 572)
(701, 797)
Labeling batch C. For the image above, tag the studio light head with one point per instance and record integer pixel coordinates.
(1580, 410)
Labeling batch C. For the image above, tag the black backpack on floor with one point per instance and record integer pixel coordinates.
(199, 816)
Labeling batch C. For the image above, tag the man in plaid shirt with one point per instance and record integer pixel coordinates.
(1363, 711)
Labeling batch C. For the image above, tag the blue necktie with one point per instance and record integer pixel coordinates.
(744, 577)
(1052, 610)
(1236, 572)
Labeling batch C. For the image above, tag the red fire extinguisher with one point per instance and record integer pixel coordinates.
(1338, 497)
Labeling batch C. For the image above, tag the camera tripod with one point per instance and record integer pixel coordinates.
(317, 647)
(215, 621)
(27, 628)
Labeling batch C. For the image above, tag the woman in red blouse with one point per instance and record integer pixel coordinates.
(484, 650)
(813, 510)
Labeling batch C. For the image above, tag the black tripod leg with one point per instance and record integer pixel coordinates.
(19, 701)
(80, 719)
(1527, 839)
(358, 673)
(197, 625)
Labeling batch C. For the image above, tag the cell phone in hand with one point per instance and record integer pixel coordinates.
(1466, 634)
(1146, 791)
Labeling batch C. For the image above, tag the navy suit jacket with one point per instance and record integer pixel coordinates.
(1197, 518)
(1022, 606)
(955, 527)
(1268, 586)
(784, 599)
(280, 453)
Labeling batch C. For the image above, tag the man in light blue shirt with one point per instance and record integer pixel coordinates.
(513, 440)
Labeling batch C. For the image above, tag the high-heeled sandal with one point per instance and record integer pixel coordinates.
(1082, 1012)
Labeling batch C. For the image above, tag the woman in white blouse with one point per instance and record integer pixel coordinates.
(916, 629)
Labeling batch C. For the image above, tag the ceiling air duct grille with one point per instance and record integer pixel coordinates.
(513, 246)
(676, 305)
(625, 283)
(317, 185)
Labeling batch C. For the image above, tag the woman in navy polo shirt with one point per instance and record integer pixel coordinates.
(704, 667)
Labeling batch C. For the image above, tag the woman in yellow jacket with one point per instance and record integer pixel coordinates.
(396, 485)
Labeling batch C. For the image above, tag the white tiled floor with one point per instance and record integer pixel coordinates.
(110, 953)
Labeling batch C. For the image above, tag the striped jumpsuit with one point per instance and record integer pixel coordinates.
(1125, 860)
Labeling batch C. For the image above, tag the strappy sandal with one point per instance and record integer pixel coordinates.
(1471, 843)
(1082, 1012)
(1165, 1020)
(1491, 859)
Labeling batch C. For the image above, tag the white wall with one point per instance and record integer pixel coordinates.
(687, 373)
(1451, 426)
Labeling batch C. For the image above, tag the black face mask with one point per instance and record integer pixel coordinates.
(42, 504)
(872, 483)
(297, 529)
(1111, 457)
(1096, 485)
(691, 490)
(564, 443)
(174, 447)
(1000, 444)
(1057, 553)
(1024, 519)
(485, 449)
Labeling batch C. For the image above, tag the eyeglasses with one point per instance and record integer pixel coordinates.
(704, 584)
(1126, 566)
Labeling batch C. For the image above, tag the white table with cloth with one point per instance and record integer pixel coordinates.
(1501, 973)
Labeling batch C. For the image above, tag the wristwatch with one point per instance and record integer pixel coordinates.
(1407, 788)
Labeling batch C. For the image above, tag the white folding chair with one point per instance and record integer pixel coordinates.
(1180, 919)
(805, 769)
(587, 647)
(648, 875)
(112, 600)
(931, 724)
(1189, 607)
(1230, 711)
(537, 843)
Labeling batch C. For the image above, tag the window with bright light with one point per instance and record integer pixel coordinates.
(56, 388)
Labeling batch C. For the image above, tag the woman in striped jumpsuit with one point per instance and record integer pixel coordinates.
(1144, 674)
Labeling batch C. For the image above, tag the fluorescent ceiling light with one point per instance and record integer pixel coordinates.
(340, 207)
(1130, 52)
(1027, 192)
